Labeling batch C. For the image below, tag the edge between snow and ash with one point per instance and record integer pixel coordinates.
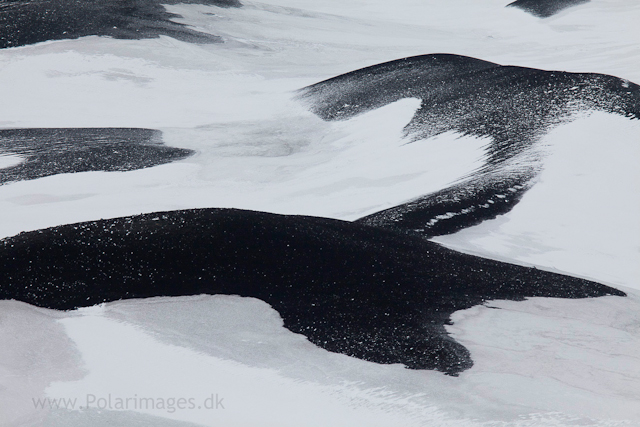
(349, 288)
(512, 106)
(28, 22)
(576, 219)
(545, 8)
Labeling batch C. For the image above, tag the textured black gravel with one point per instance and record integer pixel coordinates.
(352, 289)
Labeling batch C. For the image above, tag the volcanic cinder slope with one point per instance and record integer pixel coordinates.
(349, 288)
(512, 106)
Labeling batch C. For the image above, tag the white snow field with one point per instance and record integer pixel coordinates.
(540, 362)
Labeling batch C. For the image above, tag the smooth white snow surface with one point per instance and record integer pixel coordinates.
(8, 160)
(539, 362)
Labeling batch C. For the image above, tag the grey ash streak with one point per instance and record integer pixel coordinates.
(52, 151)
(24, 22)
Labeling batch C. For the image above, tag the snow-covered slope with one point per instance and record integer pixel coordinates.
(589, 189)
(542, 362)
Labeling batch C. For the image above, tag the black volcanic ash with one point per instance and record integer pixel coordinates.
(349, 288)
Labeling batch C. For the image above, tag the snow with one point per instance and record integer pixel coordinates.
(7, 161)
(540, 362)
(35, 351)
(589, 191)
(297, 165)
(124, 361)
(591, 370)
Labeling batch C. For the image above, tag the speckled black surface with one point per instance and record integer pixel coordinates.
(545, 8)
(24, 22)
(68, 150)
(366, 292)
(511, 106)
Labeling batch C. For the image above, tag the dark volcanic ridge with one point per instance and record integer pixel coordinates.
(545, 8)
(349, 288)
(54, 151)
(514, 107)
(24, 22)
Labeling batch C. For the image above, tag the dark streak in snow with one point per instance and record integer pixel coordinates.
(68, 150)
(545, 8)
(514, 107)
(24, 22)
(351, 289)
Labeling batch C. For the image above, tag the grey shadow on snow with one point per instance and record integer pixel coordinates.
(52, 151)
(24, 22)
(514, 107)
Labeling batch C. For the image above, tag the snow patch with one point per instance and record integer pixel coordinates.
(8, 160)
(580, 217)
